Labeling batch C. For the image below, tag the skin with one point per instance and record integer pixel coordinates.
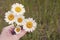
(7, 35)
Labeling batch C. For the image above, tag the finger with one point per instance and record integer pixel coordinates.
(8, 29)
(21, 34)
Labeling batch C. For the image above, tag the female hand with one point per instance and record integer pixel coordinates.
(7, 35)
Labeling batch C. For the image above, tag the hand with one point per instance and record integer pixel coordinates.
(7, 35)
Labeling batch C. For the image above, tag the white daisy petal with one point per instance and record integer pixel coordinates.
(18, 9)
(19, 20)
(17, 30)
(9, 17)
(29, 25)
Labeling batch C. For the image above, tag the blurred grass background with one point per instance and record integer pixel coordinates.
(45, 12)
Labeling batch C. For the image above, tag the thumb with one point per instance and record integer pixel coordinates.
(21, 34)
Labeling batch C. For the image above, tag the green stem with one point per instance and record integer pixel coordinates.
(15, 24)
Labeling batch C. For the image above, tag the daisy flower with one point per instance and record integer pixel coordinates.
(17, 30)
(29, 25)
(19, 20)
(9, 17)
(18, 9)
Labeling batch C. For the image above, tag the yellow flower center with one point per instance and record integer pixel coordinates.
(20, 20)
(11, 17)
(29, 24)
(18, 29)
(17, 9)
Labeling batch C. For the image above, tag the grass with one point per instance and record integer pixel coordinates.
(45, 12)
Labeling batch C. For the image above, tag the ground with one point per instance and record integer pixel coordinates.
(45, 12)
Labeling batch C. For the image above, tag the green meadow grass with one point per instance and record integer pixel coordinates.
(45, 12)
